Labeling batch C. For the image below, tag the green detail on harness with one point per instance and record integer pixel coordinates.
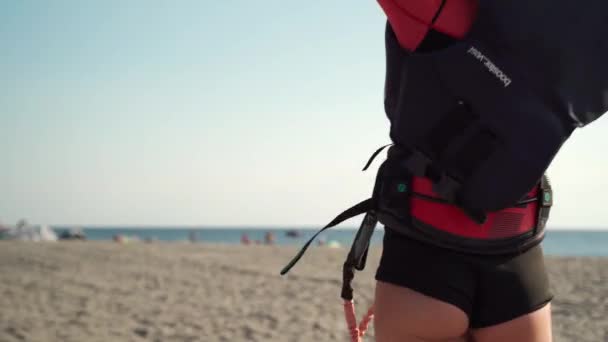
(401, 187)
(547, 197)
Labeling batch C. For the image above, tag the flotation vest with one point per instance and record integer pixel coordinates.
(480, 95)
(498, 99)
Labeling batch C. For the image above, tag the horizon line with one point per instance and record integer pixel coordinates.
(260, 226)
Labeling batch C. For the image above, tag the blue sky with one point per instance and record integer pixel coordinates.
(210, 113)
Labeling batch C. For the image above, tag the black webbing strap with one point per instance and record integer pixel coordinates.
(357, 255)
(440, 140)
(460, 159)
(358, 251)
(452, 125)
(351, 212)
(374, 155)
(348, 274)
(457, 145)
(476, 150)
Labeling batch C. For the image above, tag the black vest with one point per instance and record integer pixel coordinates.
(483, 117)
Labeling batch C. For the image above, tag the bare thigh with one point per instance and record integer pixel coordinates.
(404, 315)
(533, 327)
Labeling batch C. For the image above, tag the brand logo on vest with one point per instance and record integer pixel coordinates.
(490, 65)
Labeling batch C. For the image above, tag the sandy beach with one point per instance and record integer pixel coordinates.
(102, 291)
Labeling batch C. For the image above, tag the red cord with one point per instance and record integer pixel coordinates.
(356, 332)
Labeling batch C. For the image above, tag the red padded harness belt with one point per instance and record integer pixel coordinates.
(449, 218)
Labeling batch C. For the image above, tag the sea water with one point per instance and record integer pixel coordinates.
(557, 242)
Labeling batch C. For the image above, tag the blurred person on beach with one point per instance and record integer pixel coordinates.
(245, 239)
(193, 237)
(269, 238)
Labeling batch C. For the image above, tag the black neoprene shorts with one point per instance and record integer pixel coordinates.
(490, 289)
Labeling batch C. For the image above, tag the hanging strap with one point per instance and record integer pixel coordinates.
(356, 260)
(366, 206)
(374, 155)
(351, 212)
(358, 253)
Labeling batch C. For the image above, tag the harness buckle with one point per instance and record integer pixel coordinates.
(545, 203)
